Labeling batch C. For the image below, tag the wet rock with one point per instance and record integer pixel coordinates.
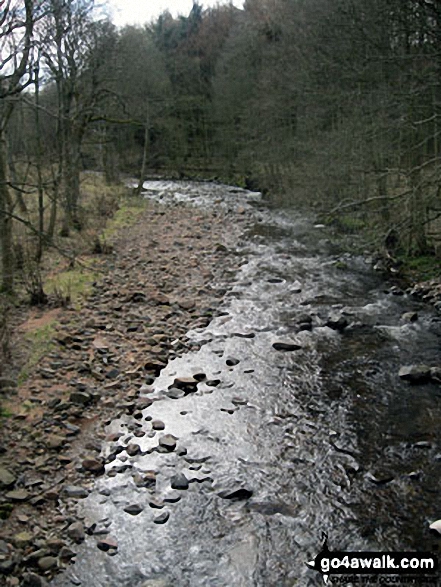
(75, 492)
(175, 393)
(133, 449)
(47, 562)
(232, 361)
(76, 532)
(107, 544)
(423, 444)
(158, 425)
(93, 465)
(379, 478)
(147, 479)
(33, 580)
(156, 503)
(435, 374)
(337, 322)
(436, 526)
(179, 481)
(236, 494)
(154, 367)
(134, 509)
(286, 345)
(410, 317)
(162, 518)
(172, 497)
(7, 479)
(415, 373)
(168, 442)
(213, 382)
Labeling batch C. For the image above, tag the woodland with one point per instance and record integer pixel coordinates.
(329, 104)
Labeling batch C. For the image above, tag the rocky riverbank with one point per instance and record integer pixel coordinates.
(161, 280)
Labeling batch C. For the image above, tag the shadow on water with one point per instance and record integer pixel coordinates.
(325, 437)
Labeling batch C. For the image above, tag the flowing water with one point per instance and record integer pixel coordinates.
(324, 438)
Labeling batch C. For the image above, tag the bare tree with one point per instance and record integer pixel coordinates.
(16, 30)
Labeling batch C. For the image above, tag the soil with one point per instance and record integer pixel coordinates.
(165, 276)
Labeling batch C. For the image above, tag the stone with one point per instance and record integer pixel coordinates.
(187, 304)
(286, 345)
(158, 425)
(17, 495)
(76, 532)
(107, 543)
(175, 393)
(22, 539)
(415, 373)
(33, 580)
(337, 322)
(410, 317)
(379, 478)
(47, 562)
(66, 554)
(80, 398)
(133, 509)
(168, 442)
(93, 465)
(7, 479)
(75, 492)
(162, 518)
(156, 503)
(236, 494)
(179, 481)
(232, 361)
(133, 449)
(436, 526)
(54, 441)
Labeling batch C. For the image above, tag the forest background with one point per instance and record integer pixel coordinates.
(329, 104)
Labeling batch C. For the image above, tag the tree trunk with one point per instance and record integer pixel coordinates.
(6, 245)
(137, 191)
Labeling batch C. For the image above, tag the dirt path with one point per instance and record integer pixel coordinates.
(159, 283)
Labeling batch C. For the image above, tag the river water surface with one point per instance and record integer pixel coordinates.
(278, 446)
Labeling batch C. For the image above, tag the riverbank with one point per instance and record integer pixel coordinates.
(160, 281)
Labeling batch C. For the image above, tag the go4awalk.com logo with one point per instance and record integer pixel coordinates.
(383, 568)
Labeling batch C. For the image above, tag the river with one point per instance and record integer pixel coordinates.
(279, 444)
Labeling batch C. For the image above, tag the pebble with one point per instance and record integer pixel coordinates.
(179, 481)
(158, 425)
(239, 494)
(93, 465)
(7, 479)
(75, 492)
(286, 345)
(76, 532)
(168, 442)
(133, 449)
(47, 562)
(108, 543)
(415, 373)
(17, 495)
(33, 580)
(133, 509)
(162, 518)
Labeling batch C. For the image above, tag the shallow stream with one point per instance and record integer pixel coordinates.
(278, 446)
